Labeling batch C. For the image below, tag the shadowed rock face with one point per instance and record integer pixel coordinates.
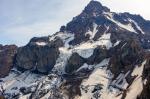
(7, 54)
(74, 63)
(95, 7)
(99, 54)
(37, 58)
(40, 58)
(125, 56)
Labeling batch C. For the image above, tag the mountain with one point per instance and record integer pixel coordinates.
(98, 55)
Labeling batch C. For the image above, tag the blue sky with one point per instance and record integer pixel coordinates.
(20, 20)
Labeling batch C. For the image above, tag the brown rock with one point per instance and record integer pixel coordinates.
(125, 56)
(7, 54)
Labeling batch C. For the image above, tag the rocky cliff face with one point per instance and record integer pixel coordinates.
(39, 55)
(98, 55)
(7, 54)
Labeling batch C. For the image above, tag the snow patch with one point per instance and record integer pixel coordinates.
(92, 33)
(67, 40)
(85, 53)
(84, 66)
(41, 43)
(14, 81)
(145, 81)
(138, 27)
(127, 27)
(138, 70)
(99, 76)
(105, 40)
(137, 86)
(65, 36)
(61, 62)
(115, 44)
(105, 36)
(105, 62)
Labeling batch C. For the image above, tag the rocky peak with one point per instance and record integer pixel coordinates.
(94, 8)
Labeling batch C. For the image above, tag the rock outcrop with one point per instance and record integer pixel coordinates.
(125, 56)
(39, 55)
(7, 54)
(74, 63)
(99, 54)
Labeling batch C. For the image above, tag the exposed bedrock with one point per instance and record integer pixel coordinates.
(39, 55)
(76, 61)
(7, 54)
(125, 56)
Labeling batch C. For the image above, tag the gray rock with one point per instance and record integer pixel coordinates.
(38, 58)
(124, 56)
(99, 54)
(74, 63)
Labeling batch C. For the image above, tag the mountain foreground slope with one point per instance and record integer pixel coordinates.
(98, 55)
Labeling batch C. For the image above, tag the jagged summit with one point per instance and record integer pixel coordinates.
(95, 15)
(95, 7)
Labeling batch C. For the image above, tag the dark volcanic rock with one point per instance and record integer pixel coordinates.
(57, 42)
(36, 57)
(94, 12)
(99, 54)
(74, 63)
(72, 88)
(95, 7)
(7, 54)
(125, 56)
(82, 23)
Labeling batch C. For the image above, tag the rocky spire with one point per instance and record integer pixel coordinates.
(95, 7)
